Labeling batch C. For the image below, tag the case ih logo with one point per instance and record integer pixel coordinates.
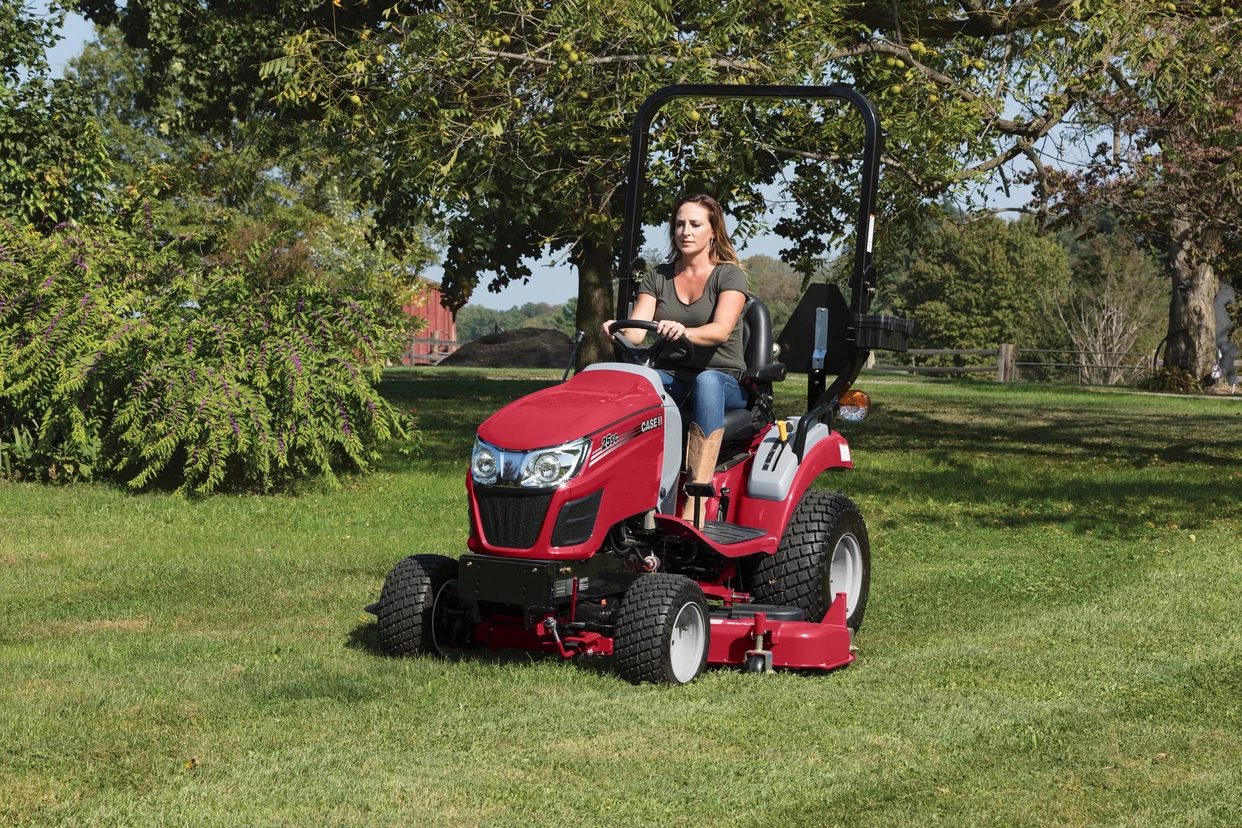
(611, 441)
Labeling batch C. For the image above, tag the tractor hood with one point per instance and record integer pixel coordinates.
(590, 402)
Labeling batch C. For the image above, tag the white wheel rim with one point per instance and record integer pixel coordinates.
(441, 647)
(846, 571)
(687, 642)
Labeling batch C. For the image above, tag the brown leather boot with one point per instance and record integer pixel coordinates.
(702, 452)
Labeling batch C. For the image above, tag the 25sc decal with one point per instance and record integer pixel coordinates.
(654, 422)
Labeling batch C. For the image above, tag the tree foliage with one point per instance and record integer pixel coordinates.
(506, 123)
(1112, 303)
(117, 363)
(53, 165)
(979, 284)
(225, 189)
(1168, 116)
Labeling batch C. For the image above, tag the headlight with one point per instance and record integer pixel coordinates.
(483, 463)
(551, 467)
(539, 469)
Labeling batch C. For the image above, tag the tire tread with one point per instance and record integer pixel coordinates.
(794, 576)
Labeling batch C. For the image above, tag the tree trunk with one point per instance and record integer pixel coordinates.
(595, 299)
(1191, 341)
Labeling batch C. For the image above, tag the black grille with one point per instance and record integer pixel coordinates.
(576, 522)
(511, 517)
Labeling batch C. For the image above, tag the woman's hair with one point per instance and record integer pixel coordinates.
(721, 250)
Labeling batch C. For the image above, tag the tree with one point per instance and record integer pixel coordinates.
(1111, 303)
(777, 284)
(506, 123)
(979, 284)
(220, 192)
(53, 165)
(1170, 163)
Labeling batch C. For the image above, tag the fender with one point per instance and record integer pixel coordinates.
(828, 450)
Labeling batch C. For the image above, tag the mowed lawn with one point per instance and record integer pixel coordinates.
(1053, 637)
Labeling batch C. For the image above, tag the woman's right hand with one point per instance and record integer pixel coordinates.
(605, 334)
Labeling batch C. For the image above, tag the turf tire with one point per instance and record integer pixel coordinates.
(406, 602)
(798, 573)
(646, 628)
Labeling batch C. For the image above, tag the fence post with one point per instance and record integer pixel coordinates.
(1004, 363)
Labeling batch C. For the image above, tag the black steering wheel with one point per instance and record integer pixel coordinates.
(679, 349)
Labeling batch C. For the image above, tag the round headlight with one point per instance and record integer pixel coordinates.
(484, 464)
(547, 468)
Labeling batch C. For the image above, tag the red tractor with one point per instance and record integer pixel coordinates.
(577, 545)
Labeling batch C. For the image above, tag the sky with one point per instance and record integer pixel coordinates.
(553, 284)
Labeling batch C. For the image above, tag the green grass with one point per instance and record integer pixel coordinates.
(1052, 638)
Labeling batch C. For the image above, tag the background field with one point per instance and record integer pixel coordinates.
(1052, 637)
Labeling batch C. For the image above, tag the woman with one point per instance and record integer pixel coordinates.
(700, 294)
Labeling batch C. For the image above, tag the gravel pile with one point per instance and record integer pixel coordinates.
(517, 348)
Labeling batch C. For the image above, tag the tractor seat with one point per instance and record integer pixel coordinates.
(741, 424)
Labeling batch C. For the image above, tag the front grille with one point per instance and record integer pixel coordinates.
(576, 522)
(511, 517)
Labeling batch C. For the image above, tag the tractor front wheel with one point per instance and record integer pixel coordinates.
(662, 630)
(824, 551)
(418, 610)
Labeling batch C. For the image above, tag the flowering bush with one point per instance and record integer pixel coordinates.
(117, 362)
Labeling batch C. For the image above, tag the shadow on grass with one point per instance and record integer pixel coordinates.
(1135, 437)
(365, 638)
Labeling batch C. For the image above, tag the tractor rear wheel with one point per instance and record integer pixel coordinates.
(662, 630)
(418, 610)
(824, 551)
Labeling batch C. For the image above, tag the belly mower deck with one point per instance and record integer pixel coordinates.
(758, 637)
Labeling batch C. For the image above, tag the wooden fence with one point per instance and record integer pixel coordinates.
(428, 351)
(1094, 367)
(1003, 369)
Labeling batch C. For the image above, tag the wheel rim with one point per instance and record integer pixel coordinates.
(687, 641)
(845, 573)
(449, 635)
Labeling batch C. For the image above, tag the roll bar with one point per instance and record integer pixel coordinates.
(821, 402)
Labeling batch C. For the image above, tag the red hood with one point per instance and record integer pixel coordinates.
(590, 402)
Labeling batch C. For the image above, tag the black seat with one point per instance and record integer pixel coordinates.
(761, 371)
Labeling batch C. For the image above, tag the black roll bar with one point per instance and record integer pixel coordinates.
(821, 402)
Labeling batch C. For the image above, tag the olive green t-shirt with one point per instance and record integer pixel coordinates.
(659, 282)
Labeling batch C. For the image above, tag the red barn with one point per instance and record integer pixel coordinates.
(438, 338)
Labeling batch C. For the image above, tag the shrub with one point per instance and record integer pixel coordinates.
(117, 362)
(1171, 379)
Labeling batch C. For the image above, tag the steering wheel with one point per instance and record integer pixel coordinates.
(679, 349)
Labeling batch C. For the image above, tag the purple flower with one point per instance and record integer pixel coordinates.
(233, 422)
(344, 418)
(55, 322)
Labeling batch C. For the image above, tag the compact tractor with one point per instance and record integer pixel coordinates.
(577, 545)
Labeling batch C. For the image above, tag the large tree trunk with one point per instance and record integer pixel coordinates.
(595, 299)
(1191, 341)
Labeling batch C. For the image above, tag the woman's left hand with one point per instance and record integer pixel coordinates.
(669, 329)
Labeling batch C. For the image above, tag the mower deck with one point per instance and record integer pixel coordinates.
(744, 634)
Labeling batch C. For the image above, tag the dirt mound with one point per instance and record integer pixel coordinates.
(518, 348)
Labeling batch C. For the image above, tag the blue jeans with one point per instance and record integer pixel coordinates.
(712, 394)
